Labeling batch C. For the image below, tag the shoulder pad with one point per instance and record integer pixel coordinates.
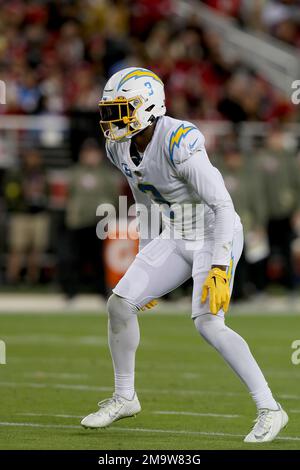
(183, 141)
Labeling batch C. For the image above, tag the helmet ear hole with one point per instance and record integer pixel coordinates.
(150, 108)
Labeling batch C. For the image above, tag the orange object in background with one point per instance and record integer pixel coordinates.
(120, 249)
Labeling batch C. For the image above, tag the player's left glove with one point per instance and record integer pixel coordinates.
(150, 304)
(216, 286)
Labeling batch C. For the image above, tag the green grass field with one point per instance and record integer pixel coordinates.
(58, 368)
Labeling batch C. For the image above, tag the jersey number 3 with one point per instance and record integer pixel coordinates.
(158, 198)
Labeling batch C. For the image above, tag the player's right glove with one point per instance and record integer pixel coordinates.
(216, 286)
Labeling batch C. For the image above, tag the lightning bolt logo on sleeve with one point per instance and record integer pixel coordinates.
(176, 138)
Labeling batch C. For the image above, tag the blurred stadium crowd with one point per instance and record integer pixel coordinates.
(55, 57)
(280, 18)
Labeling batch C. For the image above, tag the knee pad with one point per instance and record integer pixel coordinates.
(210, 327)
(119, 311)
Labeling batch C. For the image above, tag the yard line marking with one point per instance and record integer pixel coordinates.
(50, 415)
(294, 411)
(57, 339)
(22, 384)
(189, 413)
(79, 387)
(95, 388)
(55, 375)
(184, 413)
(283, 373)
(28, 359)
(122, 429)
(38, 425)
(287, 396)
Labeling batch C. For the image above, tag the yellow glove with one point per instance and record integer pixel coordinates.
(216, 286)
(150, 304)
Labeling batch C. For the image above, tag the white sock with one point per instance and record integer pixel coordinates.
(264, 399)
(237, 354)
(123, 339)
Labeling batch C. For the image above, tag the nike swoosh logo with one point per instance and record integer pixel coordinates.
(191, 146)
(261, 436)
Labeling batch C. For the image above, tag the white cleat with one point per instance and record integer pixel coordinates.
(267, 425)
(111, 410)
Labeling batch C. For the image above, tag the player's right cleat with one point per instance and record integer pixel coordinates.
(110, 410)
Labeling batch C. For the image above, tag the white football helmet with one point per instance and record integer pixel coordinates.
(132, 99)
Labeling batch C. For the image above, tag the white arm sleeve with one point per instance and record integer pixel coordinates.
(207, 181)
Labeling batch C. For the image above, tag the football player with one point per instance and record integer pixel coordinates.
(165, 163)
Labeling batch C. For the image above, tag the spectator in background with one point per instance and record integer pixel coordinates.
(282, 19)
(28, 93)
(26, 198)
(91, 182)
(229, 7)
(282, 193)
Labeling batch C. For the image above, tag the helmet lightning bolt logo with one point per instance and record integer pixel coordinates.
(138, 73)
(176, 138)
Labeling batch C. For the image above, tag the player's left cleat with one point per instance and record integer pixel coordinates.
(267, 425)
(110, 410)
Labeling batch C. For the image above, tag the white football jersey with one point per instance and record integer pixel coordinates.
(176, 174)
